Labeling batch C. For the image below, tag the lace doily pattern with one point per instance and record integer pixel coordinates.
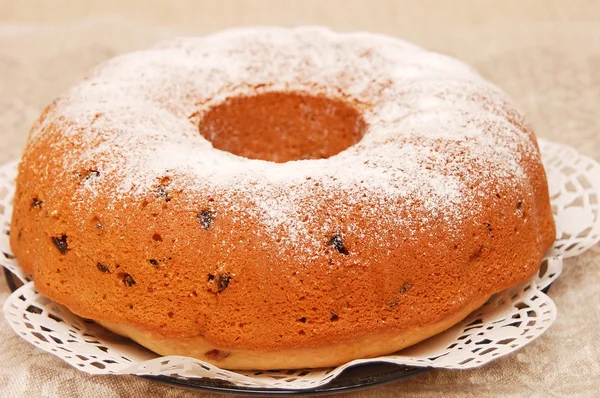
(574, 182)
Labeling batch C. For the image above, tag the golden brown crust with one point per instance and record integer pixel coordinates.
(405, 286)
(329, 355)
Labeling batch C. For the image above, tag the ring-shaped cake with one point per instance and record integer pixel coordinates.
(280, 198)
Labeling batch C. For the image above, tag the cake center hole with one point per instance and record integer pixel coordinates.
(281, 127)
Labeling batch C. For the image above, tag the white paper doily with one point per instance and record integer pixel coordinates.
(507, 322)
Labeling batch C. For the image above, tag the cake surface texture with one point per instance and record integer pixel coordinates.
(267, 198)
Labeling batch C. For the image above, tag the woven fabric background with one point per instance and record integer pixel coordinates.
(545, 54)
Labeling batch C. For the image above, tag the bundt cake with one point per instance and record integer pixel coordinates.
(280, 198)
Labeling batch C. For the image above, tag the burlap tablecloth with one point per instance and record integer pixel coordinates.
(545, 54)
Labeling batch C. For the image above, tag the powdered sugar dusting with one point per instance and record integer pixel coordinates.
(437, 131)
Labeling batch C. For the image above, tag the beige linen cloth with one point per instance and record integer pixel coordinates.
(545, 54)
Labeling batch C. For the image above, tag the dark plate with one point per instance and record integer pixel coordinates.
(353, 378)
